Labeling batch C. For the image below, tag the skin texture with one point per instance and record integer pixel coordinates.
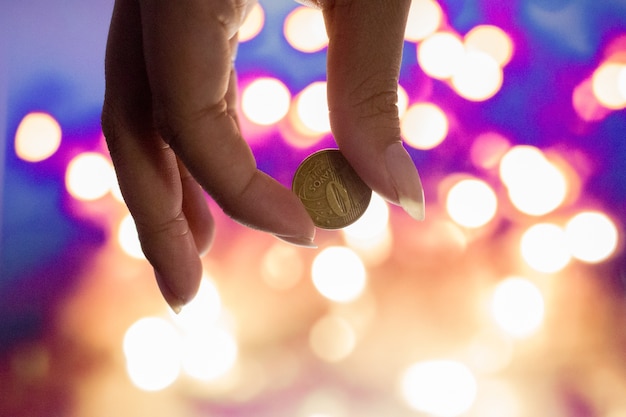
(170, 121)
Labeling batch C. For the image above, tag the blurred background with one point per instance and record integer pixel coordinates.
(509, 300)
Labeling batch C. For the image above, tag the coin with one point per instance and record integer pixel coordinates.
(331, 191)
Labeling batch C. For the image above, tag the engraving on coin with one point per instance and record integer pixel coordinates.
(331, 191)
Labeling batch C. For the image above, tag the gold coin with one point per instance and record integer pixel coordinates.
(331, 191)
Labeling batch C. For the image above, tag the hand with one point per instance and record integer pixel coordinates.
(170, 120)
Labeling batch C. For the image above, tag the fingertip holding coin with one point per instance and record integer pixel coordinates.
(335, 196)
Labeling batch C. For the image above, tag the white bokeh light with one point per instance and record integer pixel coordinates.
(491, 40)
(38, 137)
(478, 77)
(209, 354)
(518, 307)
(89, 176)
(424, 126)
(605, 84)
(305, 31)
(312, 108)
(332, 338)
(441, 388)
(544, 248)
(152, 349)
(535, 186)
(471, 203)
(339, 274)
(440, 55)
(591, 236)
(128, 239)
(265, 101)
(425, 17)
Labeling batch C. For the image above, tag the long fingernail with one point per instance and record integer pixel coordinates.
(406, 180)
(304, 241)
(175, 302)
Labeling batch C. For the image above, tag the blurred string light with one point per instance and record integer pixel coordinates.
(591, 236)
(518, 307)
(424, 126)
(305, 31)
(38, 137)
(471, 203)
(535, 186)
(332, 338)
(265, 101)
(89, 176)
(253, 24)
(544, 248)
(442, 388)
(425, 17)
(339, 274)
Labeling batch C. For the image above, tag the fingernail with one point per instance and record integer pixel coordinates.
(298, 241)
(175, 302)
(406, 180)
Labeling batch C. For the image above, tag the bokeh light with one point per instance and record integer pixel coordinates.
(442, 388)
(339, 274)
(312, 108)
(305, 31)
(152, 349)
(425, 17)
(403, 101)
(471, 203)
(498, 398)
(265, 101)
(490, 351)
(424, 126)
(202, 312)
(487, 150)
(478, 78)
(209, 353)
(372, 224)
(440, 55)
(128, 239)
(332, 338)
(282, 267)
(591, 236)
(89, 176)
(491, 40)
(518, 307)
(605, 83)
(38, 137)
(535, 186)
(544, 248)
(253, 24)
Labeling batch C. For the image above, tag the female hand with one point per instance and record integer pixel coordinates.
(170, 121)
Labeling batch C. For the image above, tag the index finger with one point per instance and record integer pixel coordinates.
(188, 56)
(364, 56)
